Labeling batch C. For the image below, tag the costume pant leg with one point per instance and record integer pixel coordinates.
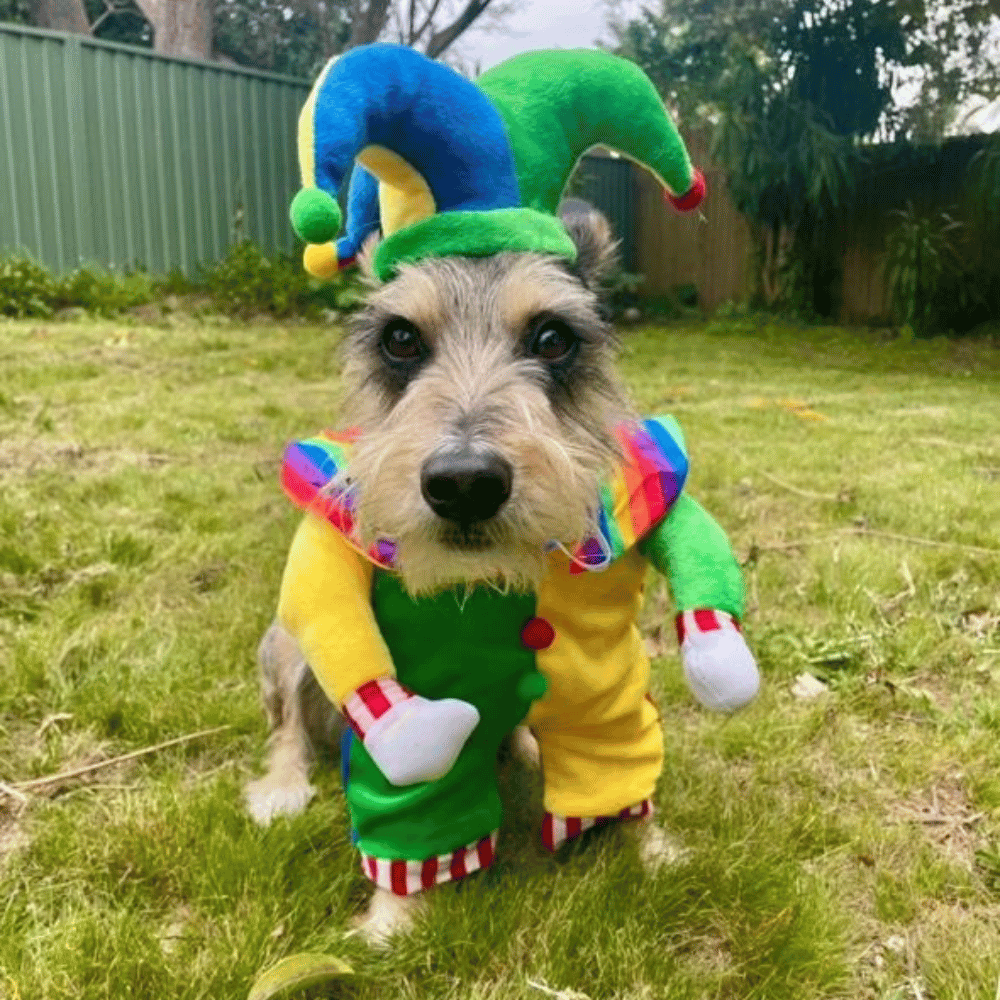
(600, 773)
(466, 646)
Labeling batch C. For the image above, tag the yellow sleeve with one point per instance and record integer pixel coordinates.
(325, 603)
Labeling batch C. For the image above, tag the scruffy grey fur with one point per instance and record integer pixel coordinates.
(480, 388)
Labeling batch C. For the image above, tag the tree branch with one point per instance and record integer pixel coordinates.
(441, 40)
(415, 37)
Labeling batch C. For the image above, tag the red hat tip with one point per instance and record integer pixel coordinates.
(692, 198)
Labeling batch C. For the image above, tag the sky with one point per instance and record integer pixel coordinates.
(538, 24)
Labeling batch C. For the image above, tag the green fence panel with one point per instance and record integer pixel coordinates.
(608, 183)
(118, 156)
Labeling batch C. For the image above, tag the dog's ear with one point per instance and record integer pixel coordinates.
(365, 261)
(596, 246)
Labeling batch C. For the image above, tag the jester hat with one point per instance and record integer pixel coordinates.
(448, 167)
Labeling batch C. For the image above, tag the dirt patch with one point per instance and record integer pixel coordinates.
(12, 835)
(946, 817)
(28, 457)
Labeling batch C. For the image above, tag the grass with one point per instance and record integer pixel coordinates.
(846, 845)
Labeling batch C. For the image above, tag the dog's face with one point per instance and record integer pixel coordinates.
(487, 396)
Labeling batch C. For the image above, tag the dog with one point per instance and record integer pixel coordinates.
(523, 373)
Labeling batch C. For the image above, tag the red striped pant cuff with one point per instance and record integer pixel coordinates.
(404, 878)
(557, 830)
(371, 701)
(703, 620)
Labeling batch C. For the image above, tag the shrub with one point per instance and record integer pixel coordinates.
(926, 272)
(246, 282)
(26, 289)
(104, 294)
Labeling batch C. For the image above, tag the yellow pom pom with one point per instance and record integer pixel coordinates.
(320, 260)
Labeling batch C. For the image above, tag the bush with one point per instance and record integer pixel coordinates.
(930, 285)
(245, 283)
(26, 289)
(104, 294)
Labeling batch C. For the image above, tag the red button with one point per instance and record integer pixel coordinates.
(538, 634)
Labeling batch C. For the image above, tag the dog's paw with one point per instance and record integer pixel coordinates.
(387, 915)
(656, 847)
(266, 799)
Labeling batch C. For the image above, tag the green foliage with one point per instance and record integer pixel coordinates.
(294, 37)
(29, 290)
(16, 11)
(244, 284)
(247, 283)
(26, 289)
(104, 294)
(925, 268)
(791, 88)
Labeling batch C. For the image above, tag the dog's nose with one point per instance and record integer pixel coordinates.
(464, 487)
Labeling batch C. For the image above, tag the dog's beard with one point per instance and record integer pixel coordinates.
(554, 496)
(433, 563)
(508, 551)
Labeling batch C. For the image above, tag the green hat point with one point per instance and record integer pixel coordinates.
(558, 104)
(315, 216)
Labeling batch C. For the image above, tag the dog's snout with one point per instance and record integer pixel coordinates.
(465, 487)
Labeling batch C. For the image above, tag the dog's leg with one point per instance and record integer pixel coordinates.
(285, 788)
(525, 749)
(388, 915)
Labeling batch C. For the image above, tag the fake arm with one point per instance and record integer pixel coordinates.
(325, 603)
(690, 549)
(694, 554)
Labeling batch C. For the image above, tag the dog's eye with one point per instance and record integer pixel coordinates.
(553, 341)
(401, 341)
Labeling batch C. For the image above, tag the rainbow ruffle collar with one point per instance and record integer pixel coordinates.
(635, 498)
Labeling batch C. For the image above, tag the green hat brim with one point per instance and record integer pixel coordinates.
(474, 234)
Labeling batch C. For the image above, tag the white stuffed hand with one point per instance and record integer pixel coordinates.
(718, 665)
(410, 738)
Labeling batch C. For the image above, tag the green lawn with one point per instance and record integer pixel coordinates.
(845, 845)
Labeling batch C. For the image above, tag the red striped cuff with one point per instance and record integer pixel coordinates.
(557, 830)
(703, 620)
(371, 701)
(404, 878)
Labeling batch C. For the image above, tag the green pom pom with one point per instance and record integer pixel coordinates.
(315, 216)
(532, 687)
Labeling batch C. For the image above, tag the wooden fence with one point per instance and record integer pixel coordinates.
(712, 249)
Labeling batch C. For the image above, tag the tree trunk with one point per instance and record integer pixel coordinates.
(367, 21)
(60, 15)
(180, 27)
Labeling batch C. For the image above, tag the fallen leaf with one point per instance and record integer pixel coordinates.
(807, 686)
(298, 972)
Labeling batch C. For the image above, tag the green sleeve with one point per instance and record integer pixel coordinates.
(690, 549)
